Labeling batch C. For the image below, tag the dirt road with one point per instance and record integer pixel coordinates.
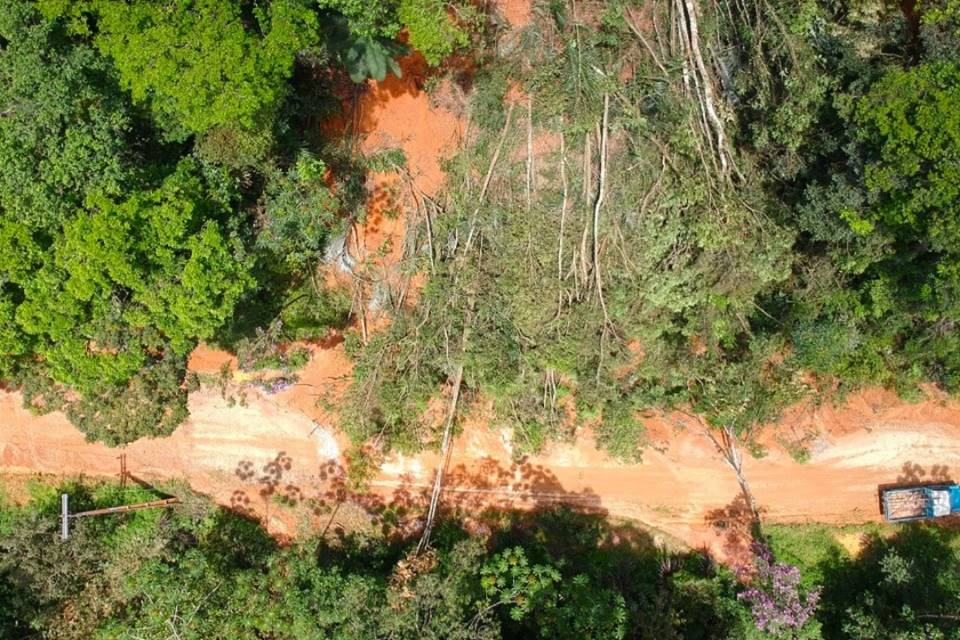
(269, 457)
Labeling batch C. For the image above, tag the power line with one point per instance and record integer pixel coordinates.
(66, 516)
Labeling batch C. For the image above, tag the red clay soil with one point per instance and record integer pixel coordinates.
(280, 458)
(248, 457)
(516, 12)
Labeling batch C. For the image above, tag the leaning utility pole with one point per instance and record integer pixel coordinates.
(65, 514)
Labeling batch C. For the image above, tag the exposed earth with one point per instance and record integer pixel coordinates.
(280, 458)
(271, 459)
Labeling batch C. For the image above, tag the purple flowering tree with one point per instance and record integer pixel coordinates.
(776, 603)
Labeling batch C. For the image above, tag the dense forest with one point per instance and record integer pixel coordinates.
(715, 207)
(199, 572)
(744, 204)
(164, 181)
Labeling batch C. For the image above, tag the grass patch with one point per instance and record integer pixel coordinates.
(813, 546)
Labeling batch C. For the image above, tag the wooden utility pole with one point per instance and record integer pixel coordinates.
(65, 514)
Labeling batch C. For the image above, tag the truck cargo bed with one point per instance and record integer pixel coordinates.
(901, 504)
(914, 503)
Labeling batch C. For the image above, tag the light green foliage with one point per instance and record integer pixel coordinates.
(827, 345)
(509, 578)
(433, 32)
(747, 391)
(388, 393)
(110, 273)
(199, 64)
(194, 305)
(560, 608)
(123, 284)
(941, 12)
(834, 251)
(65, 125)
(179, 274)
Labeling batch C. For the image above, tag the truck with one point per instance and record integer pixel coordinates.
(904, 504)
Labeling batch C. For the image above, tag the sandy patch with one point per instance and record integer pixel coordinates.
(851, 542)
(517, 12)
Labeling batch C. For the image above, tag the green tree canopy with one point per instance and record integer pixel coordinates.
(909, 119)
(202, 64)
(65, 126)
(123, 285)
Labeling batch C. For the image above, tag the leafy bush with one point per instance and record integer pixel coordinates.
(133, 573)
(364, 55)
(432, 30)
(119, 298)
(264, 350)
(153, 403)
(300, 212)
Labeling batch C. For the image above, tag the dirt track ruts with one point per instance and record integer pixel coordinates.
(234, 453)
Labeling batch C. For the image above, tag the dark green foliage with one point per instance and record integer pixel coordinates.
(363, 33)
(265, 350)
(39, 574)
(888, 224)
(366, 19)
(576, 609)
(207, 573)
(363, 56)
(299, 213)
(212, 574)
(596, 579)
(908, 121)
(904, 583)
(65, 130)
(153, 402)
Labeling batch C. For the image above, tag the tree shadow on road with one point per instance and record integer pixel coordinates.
(327, 498)
(913, 473)
(737, 528)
